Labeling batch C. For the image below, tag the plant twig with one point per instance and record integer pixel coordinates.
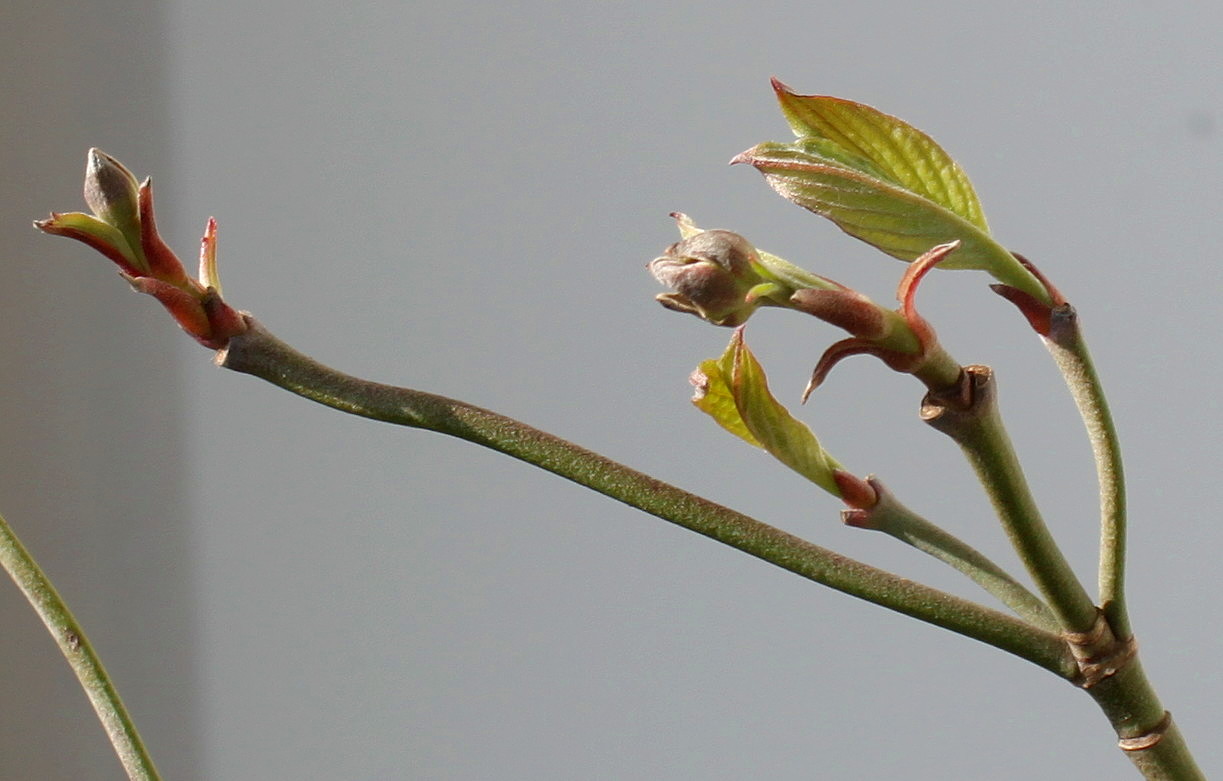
(71, 640)
(259, 353)
(978, 430)
(1069, 350)
(891, 517)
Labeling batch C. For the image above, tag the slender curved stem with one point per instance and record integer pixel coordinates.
(71, 640)
(891, 517)
(979, 431)
(259, 353)
(1069, 351)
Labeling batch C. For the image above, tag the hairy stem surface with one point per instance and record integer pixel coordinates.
(259, 353)
(979, 432)
(1069, 351)
(1145, 731)
(893, 518)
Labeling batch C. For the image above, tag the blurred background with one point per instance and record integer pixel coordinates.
(461, 197)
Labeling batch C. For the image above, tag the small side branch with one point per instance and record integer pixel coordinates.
(977, 428)
(1069, 351)
(891, 517)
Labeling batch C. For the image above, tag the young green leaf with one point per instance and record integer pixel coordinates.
(734, 391)
(903, 154)
(714, 397)
(882, 213)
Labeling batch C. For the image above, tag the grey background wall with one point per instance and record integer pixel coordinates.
(92, 404)
(462, 197)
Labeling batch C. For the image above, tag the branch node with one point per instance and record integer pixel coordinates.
(1148, 740)
(1098, 653)
(973, 393)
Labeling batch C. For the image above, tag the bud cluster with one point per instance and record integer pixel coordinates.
(720, 277)
(123, 228)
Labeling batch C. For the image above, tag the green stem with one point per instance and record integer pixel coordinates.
(1069, 350)
(1146, 732)
(71, 640)
(259, 353)
(979, 431)
(891, 517)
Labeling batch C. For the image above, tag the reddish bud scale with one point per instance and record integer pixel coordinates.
(224, 321)
(858, 519)
(206, 318)
(865, 320)
(845, 309)
(895, 360)
(124, 218)
(1038, 313)
(163, 263)
(856, 492)
(906, 293)
(182, 306)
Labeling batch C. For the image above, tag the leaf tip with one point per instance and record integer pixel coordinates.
(780, 87)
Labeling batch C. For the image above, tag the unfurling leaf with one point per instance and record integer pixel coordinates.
(884, 182)
(884, 214)
(714, 397)
(734, 391)
(901, 152)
